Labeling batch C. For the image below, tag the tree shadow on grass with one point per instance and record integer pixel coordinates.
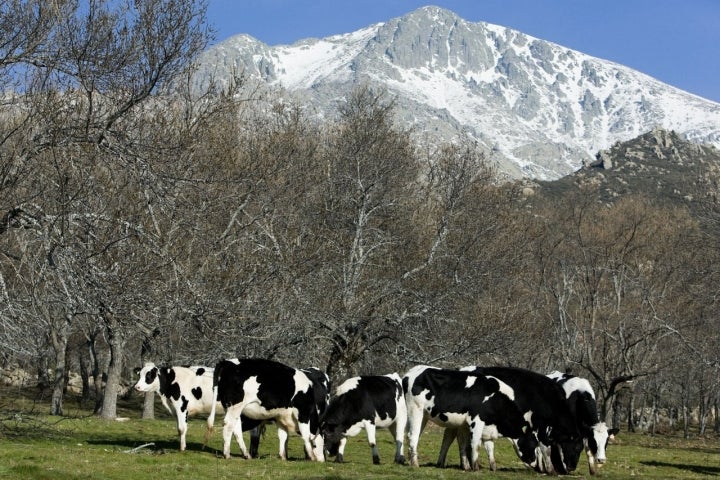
(154, 446)
(699, 469)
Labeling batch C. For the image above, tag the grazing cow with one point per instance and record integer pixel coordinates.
(583, 404)
(552, 420)
(367, 402)
(267, 390)
(457, 399)
(189, 391)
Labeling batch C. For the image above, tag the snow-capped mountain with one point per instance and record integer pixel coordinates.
(541, 110)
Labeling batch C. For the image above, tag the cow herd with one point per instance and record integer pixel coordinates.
(549, 419)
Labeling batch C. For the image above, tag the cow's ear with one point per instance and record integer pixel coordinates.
(613, 431)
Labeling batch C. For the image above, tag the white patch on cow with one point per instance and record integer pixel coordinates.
(505, 389)
(573, 384)
(236, 361)
(577, 384)
(251, 387)
(490, 432)
(355, 428)
(302, 382)
(383, 422)
(470, 381)
(528, 417)
(347, 386)
(453, 420)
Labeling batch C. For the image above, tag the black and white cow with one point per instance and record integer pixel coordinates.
(458, 399)
(263, 389)
(369, 402)
(596, 435)
(190, 392)
(552, 420)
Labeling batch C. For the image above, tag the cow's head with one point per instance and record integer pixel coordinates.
(596, 442)
(148, 381)
(565, 454)
(332, 435)
(526, 447)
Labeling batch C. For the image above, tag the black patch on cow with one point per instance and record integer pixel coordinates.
(184, 405)
(197, 392)
(200, 371)
(151, 375)
(168, 386)
(443, 417)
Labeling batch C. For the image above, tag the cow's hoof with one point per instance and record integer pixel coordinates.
(376, 460)
(400, 460)
(339, 458)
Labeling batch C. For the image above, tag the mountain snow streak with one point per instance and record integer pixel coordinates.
(539, 109)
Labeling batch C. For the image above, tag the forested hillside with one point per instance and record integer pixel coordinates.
(144, 221)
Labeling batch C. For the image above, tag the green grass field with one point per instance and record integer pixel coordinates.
(34, 445)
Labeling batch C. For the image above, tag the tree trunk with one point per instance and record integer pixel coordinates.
(85, 361)
(97, 378)
(42, 371)
(655, 415)
(149, 406)
(630, 413)
(686, 418)
(116, 342)
(60, 342)
(148, 350)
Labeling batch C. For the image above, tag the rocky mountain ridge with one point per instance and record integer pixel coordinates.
(539, 110)
(660, 164)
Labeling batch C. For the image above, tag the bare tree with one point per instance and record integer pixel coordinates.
(612, 281)
(105, 65)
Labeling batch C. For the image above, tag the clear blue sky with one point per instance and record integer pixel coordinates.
(675, 41)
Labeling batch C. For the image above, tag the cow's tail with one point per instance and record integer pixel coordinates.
(211, 417)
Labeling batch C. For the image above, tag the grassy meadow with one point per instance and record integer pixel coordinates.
(34, 445)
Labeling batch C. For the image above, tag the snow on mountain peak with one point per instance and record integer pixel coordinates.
(540, 109)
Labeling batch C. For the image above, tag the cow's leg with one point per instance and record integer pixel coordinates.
(304, 430)
(490, 449)
(319, 447)
(232, 423)
(238, 433)
(372, 441)
(544, 462)
(476, 429)
(181, 427)
(592, 466)
(448, 436)
(340, 458)
(255, 440)
(282, 434)
(397, 430)
(416, 423)
(463, 439)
